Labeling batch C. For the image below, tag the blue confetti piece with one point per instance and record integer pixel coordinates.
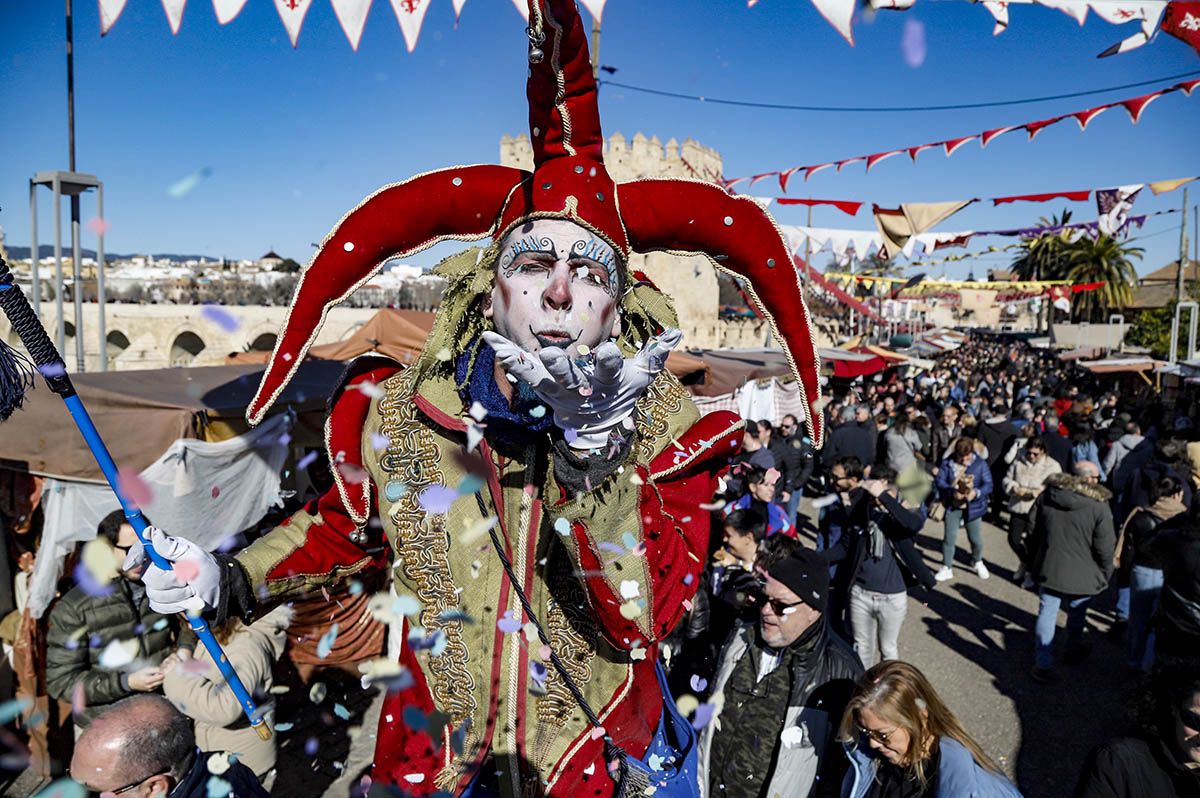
(356, 587)
(217, 787)
(341, 712)
(703, 716)
(610, 547)
(452, 616)
(90, 584)
(394, 490)
(306, 460)
(440, 641)
(282, 727)
(629, 540)
(10, 710)
(64, 788)
(436, 499)
(562, 526)
(325, 644)
(508, 624)
(415, 719)
(470, 484)
(181, 188)
(311, 745)
(51, 370)
(220, 317)
(537, 411)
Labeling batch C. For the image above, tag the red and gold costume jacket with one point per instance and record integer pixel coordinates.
(609, 572)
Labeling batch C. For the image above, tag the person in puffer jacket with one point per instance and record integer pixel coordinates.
(1071, 559)
(964, 485)
(198, 689)
(902, 740)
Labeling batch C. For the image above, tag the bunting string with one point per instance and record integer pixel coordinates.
(1134, 106)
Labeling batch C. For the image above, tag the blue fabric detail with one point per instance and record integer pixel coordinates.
(511, 424)
(674, 745)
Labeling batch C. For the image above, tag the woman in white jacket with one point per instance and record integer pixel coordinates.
(197, 688)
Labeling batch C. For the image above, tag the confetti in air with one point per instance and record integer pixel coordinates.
(325, 644)
(436, 499)
(134, 488)
(182, 188)
(98, 225)
(912, 42)
(306, 460)
(220, 317)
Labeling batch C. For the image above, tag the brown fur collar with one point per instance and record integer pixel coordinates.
(1080, 485)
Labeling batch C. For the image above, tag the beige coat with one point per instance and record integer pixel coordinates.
(200, 692)
(1031, 476)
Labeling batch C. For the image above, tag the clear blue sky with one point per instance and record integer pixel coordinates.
(296, 137)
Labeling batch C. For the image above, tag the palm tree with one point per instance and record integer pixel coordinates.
(1043, 257)
(1103, 260)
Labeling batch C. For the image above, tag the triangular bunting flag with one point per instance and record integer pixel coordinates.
(953, 144)
(1084, 118)
(1137, 105)
(1125, 45)
(458, 7)
(109, 11)
(410, 14)
(595, 8)
(1188, 85)
(522, 7)
(914, 151)
(880, 156)
(839, 14)
(812, 170)
(999, 12)
(849, 161)
(1163, 186)
(1037, 127)
(755, 178)
(762, 202)
(174, 9)
(292, 13)
(352, 15)
(986, 137)
(785, 176)
(1182, 21)
(226, 10)
(1076, 9)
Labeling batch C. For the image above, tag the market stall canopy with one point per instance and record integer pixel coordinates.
(1082, 353)
(401, 335)
(1116, 365)
(141, 413)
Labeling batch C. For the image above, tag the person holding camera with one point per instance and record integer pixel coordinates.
(964, 484)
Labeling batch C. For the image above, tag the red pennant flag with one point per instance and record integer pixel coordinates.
(729, 184)
(812, 170)
(1084, 118)
(785, 176)
(1074, 196)
(953, 144)
(1083, 287)
(1036, 127)
(913, 151)
(1138, 104)
(986, 137)
(880, 156)
(849, 161)
(755, 178)
(1187, 86)
(1182, 20)
(845, 206)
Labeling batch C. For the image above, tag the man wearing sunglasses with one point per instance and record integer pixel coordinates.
(781, 686)
(143, 747)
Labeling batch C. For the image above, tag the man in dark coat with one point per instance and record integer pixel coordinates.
(1071, 558)
(998, 433)
(144, 746)
(84, 623)
(856, 437)
(1058, 445)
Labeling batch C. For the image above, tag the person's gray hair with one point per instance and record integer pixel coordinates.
(848, 413)
(1052, 420)
(155, 736)
(1086, 468)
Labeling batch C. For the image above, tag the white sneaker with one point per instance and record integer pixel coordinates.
(946, 572)
(981, 570)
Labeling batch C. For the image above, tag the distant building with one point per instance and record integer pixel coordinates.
(270, 261)
(1160, 288)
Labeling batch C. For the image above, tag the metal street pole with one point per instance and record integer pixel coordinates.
(1182, 247)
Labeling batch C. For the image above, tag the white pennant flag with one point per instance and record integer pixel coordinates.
(1114, 205)
(523, 8)
(174, 9)
(410, 14)
(352, 15)
(226, 10)
(109, 11)
(292, 13)
(999, 12)
(762, 202)
(838, 13)
(595, 8)
(1076, 9)
(458, 7)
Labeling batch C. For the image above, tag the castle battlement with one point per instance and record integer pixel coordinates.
(631, 159)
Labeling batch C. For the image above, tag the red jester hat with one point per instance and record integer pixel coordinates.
(569, 181)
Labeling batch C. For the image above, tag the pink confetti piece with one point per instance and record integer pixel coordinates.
(216, 491)
(352, 474)
(134, 488)
(98, 225)
(912, 43)
(436, 499)
(186, 570)
(598, 732)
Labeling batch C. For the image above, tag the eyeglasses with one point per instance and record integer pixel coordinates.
(877, 736)
(779, 607)
(126, 788)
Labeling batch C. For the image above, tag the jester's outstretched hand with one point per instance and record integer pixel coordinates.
(593, 393)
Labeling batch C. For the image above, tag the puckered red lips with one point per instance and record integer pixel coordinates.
(554, 337)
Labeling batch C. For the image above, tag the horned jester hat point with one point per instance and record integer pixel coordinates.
(570, 182)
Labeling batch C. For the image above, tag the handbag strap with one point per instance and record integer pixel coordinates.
(611, 748)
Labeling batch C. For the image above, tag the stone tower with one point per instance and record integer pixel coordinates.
(690, 282)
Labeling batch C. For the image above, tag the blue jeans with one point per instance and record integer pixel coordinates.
(1049, 603)
(793, 505)
(1122, 604)
(954, 519)
(1145, 586)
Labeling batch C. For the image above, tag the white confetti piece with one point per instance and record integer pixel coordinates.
(630, 589)
(117, 654)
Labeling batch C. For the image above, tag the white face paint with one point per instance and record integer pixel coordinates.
(556, 285)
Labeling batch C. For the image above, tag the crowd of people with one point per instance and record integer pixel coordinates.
(792, 638)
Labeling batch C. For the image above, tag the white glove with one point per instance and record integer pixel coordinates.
(594, 394)
(169, 591)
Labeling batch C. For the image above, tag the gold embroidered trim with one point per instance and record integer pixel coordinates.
(654, 410)
(422, 551)
(699, 450)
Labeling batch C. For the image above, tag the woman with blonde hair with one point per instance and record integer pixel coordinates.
(904, 742)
